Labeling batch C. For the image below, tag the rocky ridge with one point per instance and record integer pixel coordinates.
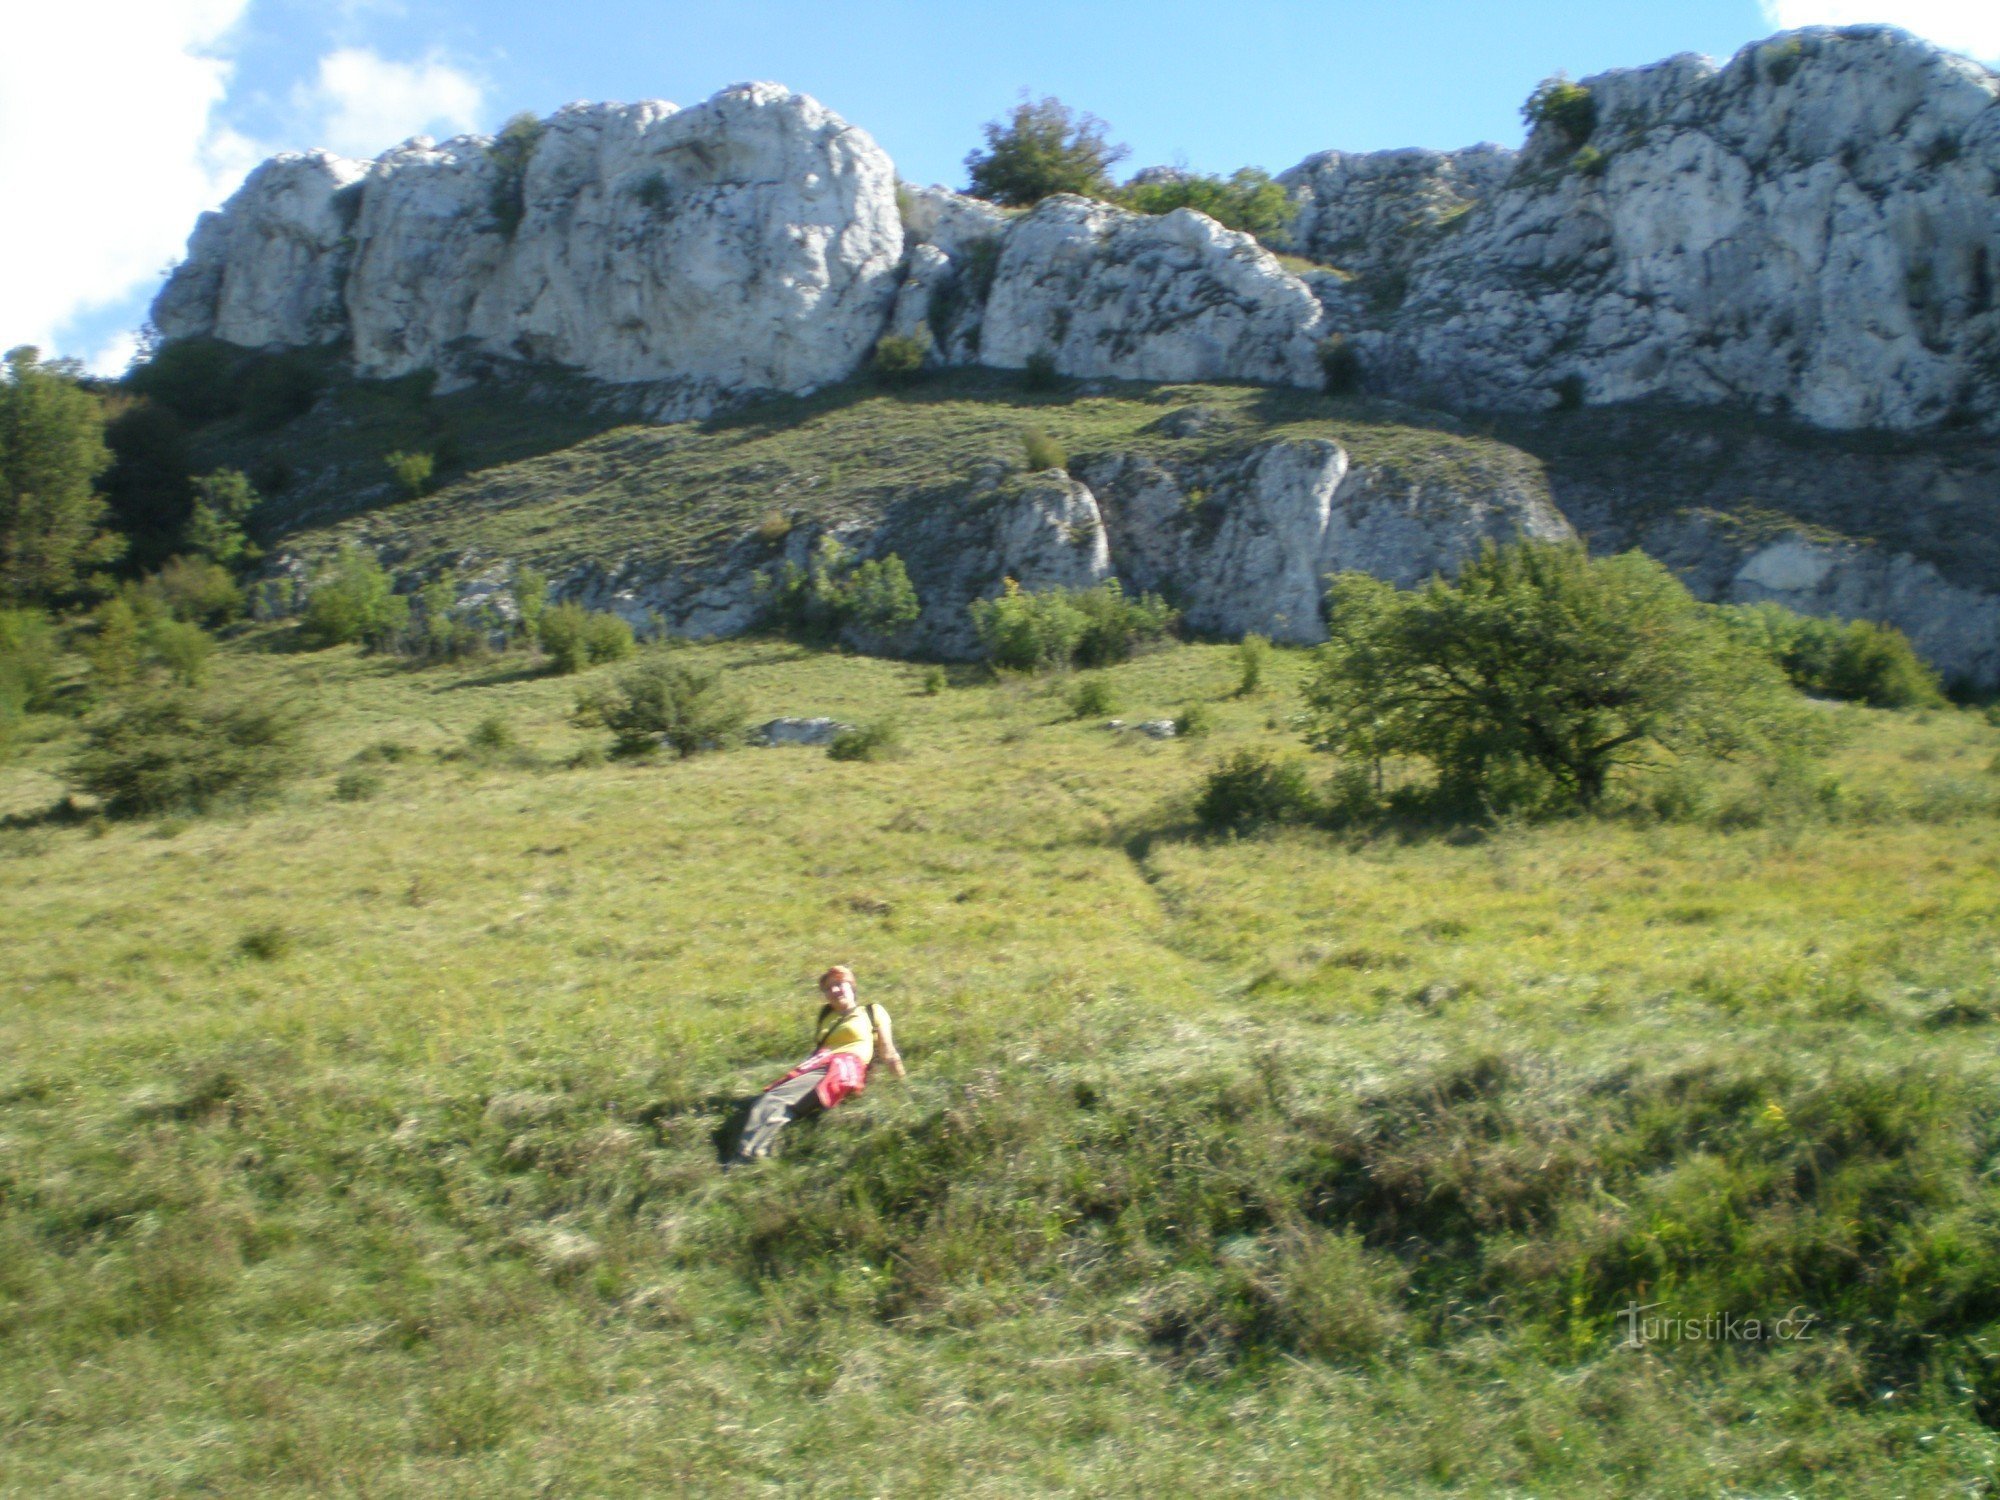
(1810, 230)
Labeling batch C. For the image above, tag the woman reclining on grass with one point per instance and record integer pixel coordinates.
(845, 1040)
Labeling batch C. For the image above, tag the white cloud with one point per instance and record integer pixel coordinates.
(1971, 26)
(363, 103)
(108, 150)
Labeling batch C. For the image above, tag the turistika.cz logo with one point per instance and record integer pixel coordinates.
(1643, 1327)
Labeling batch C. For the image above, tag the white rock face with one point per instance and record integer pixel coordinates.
(1248, 546)
(1372, 212)
(751, 242)
(1052, 535)
(1953, 627)
(267, 269)
(1810, 229)
(1118, 294)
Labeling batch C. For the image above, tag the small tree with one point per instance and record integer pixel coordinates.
(1041, 451)
(173, 751)
(1566, 106)
(222, 505)
(354, 600)
(512, 149)
(51, 449)
(665, 702)
(838, 593)
(412, 470)
(531, 599)
(1043, 148)
(1539, 672)
(899, 358)
(574, 638)
(29, 655)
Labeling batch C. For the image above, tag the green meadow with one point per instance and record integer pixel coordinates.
(363, 1142)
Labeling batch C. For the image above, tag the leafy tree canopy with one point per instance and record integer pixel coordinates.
(1539, 672)
(51, 449)
(1042, 148)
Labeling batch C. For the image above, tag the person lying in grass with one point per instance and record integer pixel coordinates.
(846, 1038)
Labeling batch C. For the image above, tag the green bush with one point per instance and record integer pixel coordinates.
(1857, 660)
(1254, 787)
(30, 656)
(838, 593)
(181, 647)
(664, 702)
(899, 358)
(440, 632)
(223, 502)
(531, 601)
(1591, 162)
(198, 590)
(354, 600)
(197, 379)
(1115, 625)
(279, 388)
(935, 681)
(1566, 106)
(1092, 698)
(412, 471)
(510, 153)
(1091, 627)
(1247, 199)
(575, 638)
(1042, 452)
(1253, 656)
(1195, 719)
(1041, 149)
(1040, 372)
(174, 752)
(357, 785)
(881, 739)
(1539, 673)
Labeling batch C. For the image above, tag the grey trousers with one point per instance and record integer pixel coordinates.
(776, 1108)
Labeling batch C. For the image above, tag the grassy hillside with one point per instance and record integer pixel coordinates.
(362, 1143)
(545, 470)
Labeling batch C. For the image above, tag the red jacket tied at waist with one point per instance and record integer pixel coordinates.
(845, 1074)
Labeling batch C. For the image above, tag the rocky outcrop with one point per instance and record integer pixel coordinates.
(1246, 544)
(749, 243)
(269, 268)
(1811, 229)
(1240, 543)
(1372, 213)
(1956, 629)
(1110, 293)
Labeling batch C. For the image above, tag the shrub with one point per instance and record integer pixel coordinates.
(1040, 372)
(1852, 659)
(1254, 787)
(1091, 627)
(1538, 673)
(116, 643)
(935, 681)
(175, 751)
(1092, 698)
(665, 702)
(1570, 392)
(215, 529)
(29, 656)
(839, 593)
(899, 358)
(357, 786)
(531, 600)
(1042, 452)
(198, 590)
(1339, 366)
(1590, 162)
(575, 638)
(197, 379)
(181, 647)
(354, 600)
(1196, 718)
(1566, 106)
(1247, 199)
(774, 528)
(412, 471)
(492, 735)
(881, 739)
(1253, 655)
(279, 388)
(1043, 148)
(510, 153)
(1116, 625)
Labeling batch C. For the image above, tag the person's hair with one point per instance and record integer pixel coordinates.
(841, 969)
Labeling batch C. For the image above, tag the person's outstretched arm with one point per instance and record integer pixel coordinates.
(885, 1042)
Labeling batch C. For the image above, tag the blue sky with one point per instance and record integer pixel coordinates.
(164, 104)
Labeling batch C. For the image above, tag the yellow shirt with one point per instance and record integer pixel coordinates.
(853, 1032)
